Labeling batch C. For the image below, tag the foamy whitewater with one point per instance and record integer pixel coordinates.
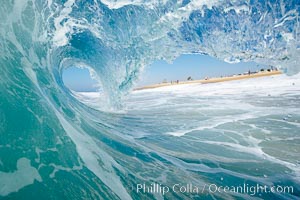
(57, 144)
(223, 133)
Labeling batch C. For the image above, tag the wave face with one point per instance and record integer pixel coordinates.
(61, 149)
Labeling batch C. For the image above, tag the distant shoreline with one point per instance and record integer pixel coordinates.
(214, 80)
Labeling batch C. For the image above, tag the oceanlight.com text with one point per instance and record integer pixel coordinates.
(213, 188)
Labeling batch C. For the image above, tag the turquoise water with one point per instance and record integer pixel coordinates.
(228, 134)
(53, 146)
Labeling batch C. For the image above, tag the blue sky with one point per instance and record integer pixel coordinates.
(78, 79)
(196, 66)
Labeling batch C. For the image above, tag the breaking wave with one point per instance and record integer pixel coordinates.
(115, 40)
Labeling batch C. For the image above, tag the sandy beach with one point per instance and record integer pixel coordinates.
(214, 80)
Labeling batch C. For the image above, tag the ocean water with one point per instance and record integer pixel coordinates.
(56, 144)
(227, 134)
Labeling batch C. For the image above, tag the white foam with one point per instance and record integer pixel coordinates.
(213, 123)
(238, 9)
(60, 37)
(14, 181)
